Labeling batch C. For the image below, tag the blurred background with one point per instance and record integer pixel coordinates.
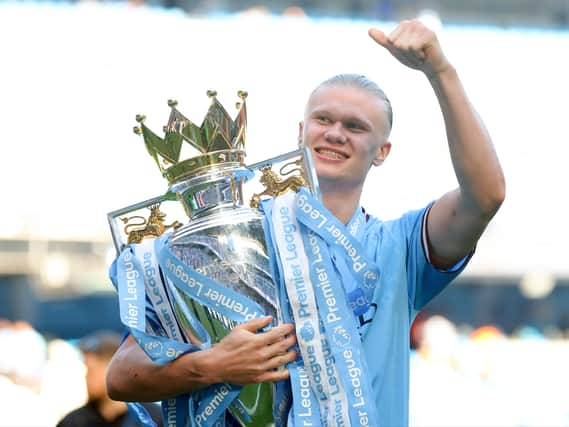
(491, 350)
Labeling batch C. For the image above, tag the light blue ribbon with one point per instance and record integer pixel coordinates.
(140, 414)
(212, 406)
(351, 261)
(132, 305)
(175, 411)
(226, 301)
(133, 313)
(300, 407)
(323, 235)
(341, 331)
(325, 230)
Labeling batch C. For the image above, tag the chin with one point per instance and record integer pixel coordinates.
(329, 178)
(328, 169)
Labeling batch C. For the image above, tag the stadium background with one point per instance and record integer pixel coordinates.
(490, 348)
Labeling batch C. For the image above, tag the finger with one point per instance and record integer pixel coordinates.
(402, 37)
(407, 42)
(255, 324)
(417, 42)
(397, 32)
(379, 37)
(273, 376)
(276, 334)
(281, 360)
(281, 346)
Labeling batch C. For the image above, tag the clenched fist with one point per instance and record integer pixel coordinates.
(415, 46)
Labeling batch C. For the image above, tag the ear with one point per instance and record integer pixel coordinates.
(382, 153)
(300, 131)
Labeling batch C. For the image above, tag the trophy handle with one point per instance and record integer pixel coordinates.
(138, 233)
(275, 186)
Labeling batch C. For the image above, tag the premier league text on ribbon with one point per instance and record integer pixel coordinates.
(207, 294)
(158, 296)
(333, 316)
(304, 204)
(329, 387)
(292, 254)
(131, 315)
(330, 292)
(208, 410)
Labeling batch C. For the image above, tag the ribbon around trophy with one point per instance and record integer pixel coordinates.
(325, 280)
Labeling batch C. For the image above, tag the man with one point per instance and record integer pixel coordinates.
(100, 410)
(346, 127)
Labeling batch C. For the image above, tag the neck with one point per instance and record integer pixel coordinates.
(341, 203)
(111, 409)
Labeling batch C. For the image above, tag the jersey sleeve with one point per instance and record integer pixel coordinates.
(424, 280)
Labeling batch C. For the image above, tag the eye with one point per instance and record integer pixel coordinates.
(354, 126)
(323, 119)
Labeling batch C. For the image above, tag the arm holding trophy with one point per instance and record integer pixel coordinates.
(242, 357)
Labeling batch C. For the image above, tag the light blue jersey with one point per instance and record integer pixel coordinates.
(407, 282)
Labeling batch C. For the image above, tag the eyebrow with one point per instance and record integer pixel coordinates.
(349, 119)
(362, 123)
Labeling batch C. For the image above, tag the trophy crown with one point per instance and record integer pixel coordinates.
(219, 140)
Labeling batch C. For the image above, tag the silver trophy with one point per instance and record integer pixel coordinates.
(225, 237)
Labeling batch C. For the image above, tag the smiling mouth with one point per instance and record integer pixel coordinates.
(330, 154)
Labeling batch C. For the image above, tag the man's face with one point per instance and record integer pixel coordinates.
(345, 129)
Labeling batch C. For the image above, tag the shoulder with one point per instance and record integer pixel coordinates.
(407, 223)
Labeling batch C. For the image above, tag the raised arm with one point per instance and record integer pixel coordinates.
(242, 357)
(457, 219)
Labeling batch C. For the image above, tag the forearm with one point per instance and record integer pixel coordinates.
(244, 356)
(476, 165)
(132, 376)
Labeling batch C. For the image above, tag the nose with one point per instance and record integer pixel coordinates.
(335, 134)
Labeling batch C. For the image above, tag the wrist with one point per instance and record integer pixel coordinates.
(202, 369)
(441, 75)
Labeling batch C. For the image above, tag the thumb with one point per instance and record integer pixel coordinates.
(254, 325)
(379, 37)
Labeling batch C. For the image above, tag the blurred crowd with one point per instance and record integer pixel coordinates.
(553, 13)
(375, 9)
(460, 376)
(463, 376)
(54, 382)
(40, 380)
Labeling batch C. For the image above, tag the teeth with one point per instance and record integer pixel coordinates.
(330, 153)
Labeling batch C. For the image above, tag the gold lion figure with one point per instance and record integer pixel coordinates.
(152, 227)
(275, 185)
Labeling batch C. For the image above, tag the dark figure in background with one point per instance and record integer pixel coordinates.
(100, 410)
